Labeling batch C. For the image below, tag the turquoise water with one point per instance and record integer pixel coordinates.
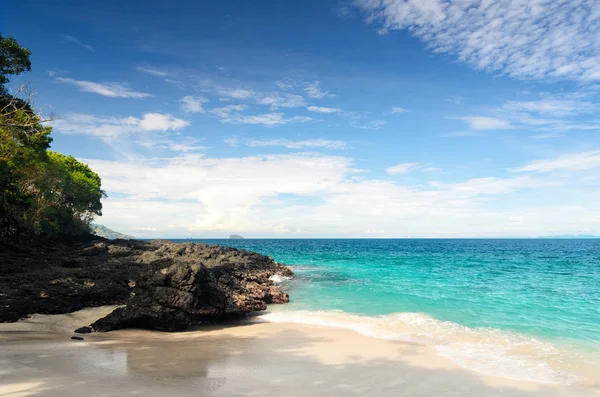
(548, 290)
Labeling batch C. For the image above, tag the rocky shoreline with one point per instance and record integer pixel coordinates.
(162, 285)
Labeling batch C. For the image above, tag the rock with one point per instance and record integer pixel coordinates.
(235, 237)
(164, 285)
(77, 338)
(189, 284)
(83, 330)
(50, 277)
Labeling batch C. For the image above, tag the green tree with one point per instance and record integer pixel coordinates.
(41, 192)
(14, 59)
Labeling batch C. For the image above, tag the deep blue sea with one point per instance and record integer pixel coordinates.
(521, 308)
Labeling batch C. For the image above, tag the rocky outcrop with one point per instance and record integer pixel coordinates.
(50, 277)
(188, 284)
(163, 285)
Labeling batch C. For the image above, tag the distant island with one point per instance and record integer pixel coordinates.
(235, 237)
(103, 231)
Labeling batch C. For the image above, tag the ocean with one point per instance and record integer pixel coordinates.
(518, 308)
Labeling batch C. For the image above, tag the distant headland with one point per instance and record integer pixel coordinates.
(103, 231)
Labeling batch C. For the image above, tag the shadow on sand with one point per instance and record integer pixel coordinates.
(265, 364)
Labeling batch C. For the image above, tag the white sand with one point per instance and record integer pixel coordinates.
(37, 358)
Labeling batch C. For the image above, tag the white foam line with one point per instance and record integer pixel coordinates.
(486, 351)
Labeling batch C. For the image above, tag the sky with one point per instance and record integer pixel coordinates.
(365, 118)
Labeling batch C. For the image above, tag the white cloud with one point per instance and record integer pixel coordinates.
(113, 127)
(286, 84)
(492, 185)
(256, 195)
(371, 125)
(550, 113)
(152, 71)
(180, 145)
(192, 104)
(313, 90)
(547, 136)
(485, 123)
(161, 122)
(175, 82)
(568, 162)
(320, 109)
(459, 134)
(455, 100)
(291, 144)
(399, 110)
(232, 115)
(218, 194)
(520, 38)
(281, 101)
(111, 90)
(236, 93)
(403, 168)
(78, 42)
(552, 107)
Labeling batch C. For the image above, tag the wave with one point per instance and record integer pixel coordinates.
(277, 279)
(488, 351)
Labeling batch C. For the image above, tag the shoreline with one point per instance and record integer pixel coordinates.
(253, 358)
(492, 352)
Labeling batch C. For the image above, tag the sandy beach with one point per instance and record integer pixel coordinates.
(38, 358)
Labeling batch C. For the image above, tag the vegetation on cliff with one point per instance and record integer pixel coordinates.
(103, 231)
(41, 192)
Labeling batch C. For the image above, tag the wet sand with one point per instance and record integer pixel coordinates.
(38, 358)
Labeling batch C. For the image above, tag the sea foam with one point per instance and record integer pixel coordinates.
(488, 351)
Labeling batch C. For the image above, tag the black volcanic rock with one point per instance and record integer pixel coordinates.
(163, 285)
(51, 277)
(188, 284)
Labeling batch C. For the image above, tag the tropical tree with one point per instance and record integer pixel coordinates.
(41, 192)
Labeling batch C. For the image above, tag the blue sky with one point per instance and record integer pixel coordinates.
(366, 118)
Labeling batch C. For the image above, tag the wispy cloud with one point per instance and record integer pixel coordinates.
(399, 110)
(192, 104)
(78, 42)
(320, 109)
(179, 145)
(403, 168)
(232, 114)
(236, 93)
(550, 113)
(113, 127)
(485, 123)
(178, 83)
(371, 125)
(568, 162)
(290, 144)
(552, 107)
(455, 100)
(459, 134)
(111, 90)
(313, 90)
(152, 71)
(523, 39)
(286, 84)
(281, 100)
(547, 136)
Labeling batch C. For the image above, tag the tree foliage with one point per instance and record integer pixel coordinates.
(41, 192)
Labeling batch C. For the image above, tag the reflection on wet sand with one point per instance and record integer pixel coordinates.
(251, 360)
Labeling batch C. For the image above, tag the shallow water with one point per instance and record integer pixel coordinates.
(527, 309)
